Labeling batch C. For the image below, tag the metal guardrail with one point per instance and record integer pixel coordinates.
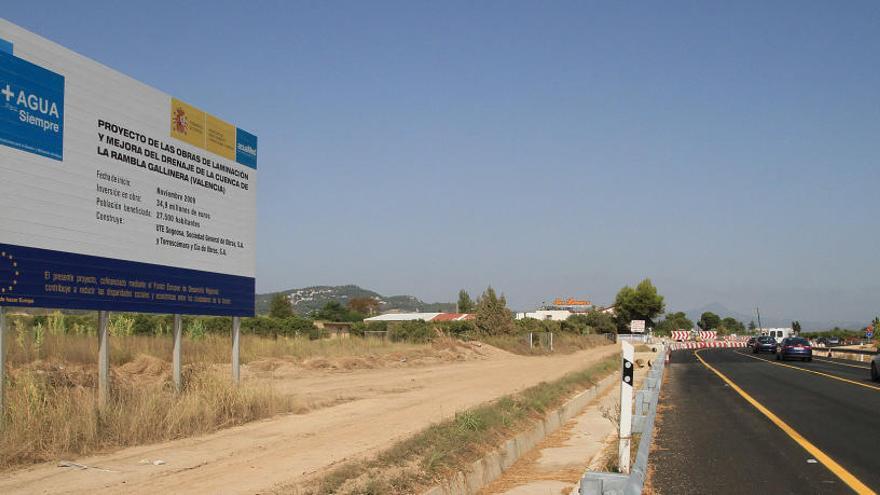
(863, 352)
(599, 483)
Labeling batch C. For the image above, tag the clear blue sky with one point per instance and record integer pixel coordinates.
(728, 150)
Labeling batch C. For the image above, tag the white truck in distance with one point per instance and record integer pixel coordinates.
(778, 333)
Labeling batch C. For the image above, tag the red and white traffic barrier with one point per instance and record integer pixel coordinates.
(721, 344)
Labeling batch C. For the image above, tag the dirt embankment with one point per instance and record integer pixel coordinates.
(375, 406)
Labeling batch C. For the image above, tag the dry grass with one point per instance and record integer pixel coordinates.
(52, 409)
(216, 349)
(563, 343)
(53, 412)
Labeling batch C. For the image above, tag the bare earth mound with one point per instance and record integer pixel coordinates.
(376, 406)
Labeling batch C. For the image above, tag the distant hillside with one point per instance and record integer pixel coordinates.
(312, 298)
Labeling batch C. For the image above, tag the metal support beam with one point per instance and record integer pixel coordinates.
(178, 332)
(103, 358)
(236, 338)
(2, 364)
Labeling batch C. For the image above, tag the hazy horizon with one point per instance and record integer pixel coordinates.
(729, 152)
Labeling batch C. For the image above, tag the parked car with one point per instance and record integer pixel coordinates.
(751, 342)
(764, 343)
(875, 368)
(795, 347)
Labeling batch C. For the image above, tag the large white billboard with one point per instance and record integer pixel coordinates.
(117, 196)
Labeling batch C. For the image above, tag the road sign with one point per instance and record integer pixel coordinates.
(637, 326)
(869, 333)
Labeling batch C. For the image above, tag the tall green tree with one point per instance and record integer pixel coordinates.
(492, 315)
(731, 325)
(673, 321)
(639, 303)
(796, 327)
(752, 326)
(280, 306)
(364, 305)
(709, 321)
(335, 311)
(465, 303)
(595, 322)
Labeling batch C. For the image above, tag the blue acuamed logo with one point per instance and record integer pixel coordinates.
(31, 107)
(245, 148)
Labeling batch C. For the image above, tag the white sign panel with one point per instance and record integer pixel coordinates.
(637, 326)
(115, 195)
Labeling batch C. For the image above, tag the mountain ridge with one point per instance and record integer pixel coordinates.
(307, 299)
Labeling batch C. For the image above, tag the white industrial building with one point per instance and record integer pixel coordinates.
(434, 317)
(546, 314)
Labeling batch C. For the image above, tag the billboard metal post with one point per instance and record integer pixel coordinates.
(178, 330)
(103, 358)
(626, 402)
(236, 338)
(2, 363)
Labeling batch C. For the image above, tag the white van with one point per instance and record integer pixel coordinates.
(778, 333)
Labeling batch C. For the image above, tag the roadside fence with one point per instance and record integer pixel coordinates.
(860, 355)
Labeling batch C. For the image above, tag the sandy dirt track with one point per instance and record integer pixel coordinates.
(376, 408)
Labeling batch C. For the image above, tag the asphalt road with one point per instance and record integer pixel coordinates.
(711, 440)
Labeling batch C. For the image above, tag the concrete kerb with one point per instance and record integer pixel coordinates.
(647, 399)
(490, 467)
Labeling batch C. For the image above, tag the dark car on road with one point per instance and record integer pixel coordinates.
(751, 343)
(795, 347)
(764, 343)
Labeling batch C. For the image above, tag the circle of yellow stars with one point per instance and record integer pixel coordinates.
(4, 256)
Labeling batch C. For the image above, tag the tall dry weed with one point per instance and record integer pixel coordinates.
(46, 420)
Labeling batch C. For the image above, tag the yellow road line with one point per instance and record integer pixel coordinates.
(814, 451)
(834, 377)
(843, 364)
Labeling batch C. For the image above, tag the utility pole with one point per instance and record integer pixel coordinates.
(760, 327)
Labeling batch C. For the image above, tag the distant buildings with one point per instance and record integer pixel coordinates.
(562, 308)
(546, 314)
(432, 317)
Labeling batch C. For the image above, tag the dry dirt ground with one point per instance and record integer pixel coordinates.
(373, 408)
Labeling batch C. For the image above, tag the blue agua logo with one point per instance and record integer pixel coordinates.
(31, 107)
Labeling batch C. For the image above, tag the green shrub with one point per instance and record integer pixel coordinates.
(458, 329)
(417, 331)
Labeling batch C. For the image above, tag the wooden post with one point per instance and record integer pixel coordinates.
(178, 331)
(2, 364)
(103, 358)
(236, 337)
